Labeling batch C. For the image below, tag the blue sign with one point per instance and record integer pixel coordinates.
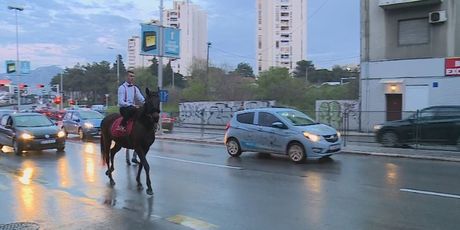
(164, 95)
(435, 84)
(171, 38)
(24, 67)
(149, 39)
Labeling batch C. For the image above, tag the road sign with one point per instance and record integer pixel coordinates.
(164, 95)
(24, 67)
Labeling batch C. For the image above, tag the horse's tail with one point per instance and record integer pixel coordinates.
(103, 147)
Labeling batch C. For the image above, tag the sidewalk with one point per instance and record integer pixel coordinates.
(217, 138)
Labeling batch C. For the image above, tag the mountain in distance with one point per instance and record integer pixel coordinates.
(40, 75)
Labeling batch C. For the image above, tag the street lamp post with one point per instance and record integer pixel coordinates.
(16, 9)
(207, 69)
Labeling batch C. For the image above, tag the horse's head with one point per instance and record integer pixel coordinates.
(152, 105)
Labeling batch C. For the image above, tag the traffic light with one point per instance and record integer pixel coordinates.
(40, 86)
(57, 100)
(23, 86)
(71, 102)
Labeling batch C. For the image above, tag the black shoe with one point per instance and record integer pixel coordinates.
(134, 160)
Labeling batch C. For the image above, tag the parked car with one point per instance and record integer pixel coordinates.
(167, 121)
(280, 130)
(99, 108)
(84, 122)
(30, 131)
(433, 125)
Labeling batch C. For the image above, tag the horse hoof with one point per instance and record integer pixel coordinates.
(140, 187)
(149, 192)
(107, 172)
(112, 183)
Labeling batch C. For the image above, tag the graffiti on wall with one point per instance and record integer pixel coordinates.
(335, 112)
(216, 112)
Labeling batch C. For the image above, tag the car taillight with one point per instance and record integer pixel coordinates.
(227, 126)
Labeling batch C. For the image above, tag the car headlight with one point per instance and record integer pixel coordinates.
(26, 136)
(377, 127)
(339, 134)
(312, 137)
(88, 125)
(61, 134)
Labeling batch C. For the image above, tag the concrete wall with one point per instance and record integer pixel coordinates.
(215, 112)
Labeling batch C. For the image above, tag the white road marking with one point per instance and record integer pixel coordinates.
(191, 222)
(430, 193)
(198, 162)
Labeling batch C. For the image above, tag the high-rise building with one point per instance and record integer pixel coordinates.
(135, 60)
(281, 33)
(193, 24)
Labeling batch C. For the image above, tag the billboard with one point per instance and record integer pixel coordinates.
(150, 45)
(149, 39)
(24, 66)
(171, 38)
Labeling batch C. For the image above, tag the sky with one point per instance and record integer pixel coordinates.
(67, 32)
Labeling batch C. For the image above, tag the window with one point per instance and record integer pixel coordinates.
(67, 116)
(4, 119)
(284, 14)
(246, 118)
(267, 119)
(284, 55)
(284, 27)
(413, 32)
(285, 35)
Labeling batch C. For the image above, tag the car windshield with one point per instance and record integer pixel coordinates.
(90, 115)
(297, 118)
(32, 121)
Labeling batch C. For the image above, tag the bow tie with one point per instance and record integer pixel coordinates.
(130, 85)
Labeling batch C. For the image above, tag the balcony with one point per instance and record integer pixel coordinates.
(398, 4)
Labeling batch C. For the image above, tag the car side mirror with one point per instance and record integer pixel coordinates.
(278, 125)
(76, 120)
(9, 126)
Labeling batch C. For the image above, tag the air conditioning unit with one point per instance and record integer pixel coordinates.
(437, 16)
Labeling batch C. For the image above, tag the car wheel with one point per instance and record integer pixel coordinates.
(233, 147)
(389, 139)
(81, 134)
(61, 149)
(16, 147)
(296, 152)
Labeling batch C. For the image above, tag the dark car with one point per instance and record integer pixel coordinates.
(30, 131)
(432, 125)
(84, 122)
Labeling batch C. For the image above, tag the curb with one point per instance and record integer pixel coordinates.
(356, 152)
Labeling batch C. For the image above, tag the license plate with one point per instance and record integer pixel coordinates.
(334, 147)
(48, 141)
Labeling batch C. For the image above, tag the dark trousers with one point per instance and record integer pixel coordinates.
(127, 113)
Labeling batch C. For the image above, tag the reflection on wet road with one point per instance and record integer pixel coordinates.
(200, 187)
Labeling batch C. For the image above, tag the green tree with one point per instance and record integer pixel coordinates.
(244, 70)
(302, 67)
(277, 84)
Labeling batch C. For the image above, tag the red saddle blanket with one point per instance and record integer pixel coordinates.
(117, 131)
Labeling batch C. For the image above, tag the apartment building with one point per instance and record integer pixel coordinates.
(135, 60)
(193, 24)
(281, 33)
(409, 57)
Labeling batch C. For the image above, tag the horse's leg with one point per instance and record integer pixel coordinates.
(147, 171)
(138, 177)
(113, 151)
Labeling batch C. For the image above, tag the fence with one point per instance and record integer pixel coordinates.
(410, 129)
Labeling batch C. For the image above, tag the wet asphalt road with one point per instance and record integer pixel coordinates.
(200, 187)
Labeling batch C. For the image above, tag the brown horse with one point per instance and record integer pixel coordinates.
(140, 139)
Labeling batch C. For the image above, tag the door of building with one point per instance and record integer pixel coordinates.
(394, 106)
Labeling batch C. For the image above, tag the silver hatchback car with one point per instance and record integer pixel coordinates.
(283, 131)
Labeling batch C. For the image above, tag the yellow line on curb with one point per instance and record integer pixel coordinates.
(191, 222)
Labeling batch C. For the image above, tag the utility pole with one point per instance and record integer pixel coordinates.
(16, 9)
(160, 63)
(62, 93)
